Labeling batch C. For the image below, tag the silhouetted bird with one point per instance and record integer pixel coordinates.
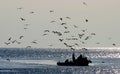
(93, 34)
(7, 43)
(86, 20)
(9, 39)
(98, 43)
(14, 41)
(51, 11)
(46, 31)
(22, 19)
(18, 42)
(25, 28)
(65, 27)
(50, 45)
(85, 3)
(67, 32)
(32, 12)
(75, 26)
(44, 34)
(68, 17)
(76, 44)
(61, 40)
(21, 37)
(28, 47)
(61, 19)
(63, 23)
(87, 38)
(83, 30)
(52, 21)
(81, 35)
(20, 8)
(34, 42)
(114, 44)
(82, 42)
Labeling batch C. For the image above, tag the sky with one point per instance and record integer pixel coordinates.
(103, 20)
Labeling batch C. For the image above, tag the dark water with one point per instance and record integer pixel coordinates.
(43, 61)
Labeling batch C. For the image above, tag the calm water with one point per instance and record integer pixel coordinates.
(43, 61)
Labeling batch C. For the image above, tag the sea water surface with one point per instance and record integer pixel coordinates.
(43, 61)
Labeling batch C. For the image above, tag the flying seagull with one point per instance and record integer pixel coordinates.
(85, 3)
(114, 44)
(32, 12)
(9, 39)
(20, 8)
(86, 20)
(93, 34)
(22, 19)
(68, 17)
(87, 38)
(51, 11)
(61, 40)
(21, 37)
(63, 23)
(61, 19)
(46, 31)
(7, 43)
(34, 42)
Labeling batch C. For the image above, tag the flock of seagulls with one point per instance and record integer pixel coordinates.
(81, 37)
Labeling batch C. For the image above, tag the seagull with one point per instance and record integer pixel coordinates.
(93, 34)
(80, 35)
(9, 39)
(76, 44)
(46, 31)
(28, 47)
(21, 37)
(51, 11)
(74, 39)
(52, 21)
(83, 30)
(114, 44)
(66, 31)
(61, 19)
(82, 42)
(98, 43)
(86, 20)
(85, 3)
(14, 41)
(87, 38)
(61, 40)
(44, 34)
(7, 43)
(34, 42)
(68, 17)
(18, 42)
(63, 23)
(50, 45)
(32, 12)
(22, 19)
(65, 27)
(20, 8)
(25, 28)
(75, 26)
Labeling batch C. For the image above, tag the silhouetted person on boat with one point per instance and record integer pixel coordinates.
(73, 57)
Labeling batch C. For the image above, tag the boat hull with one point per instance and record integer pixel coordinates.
(72, 64)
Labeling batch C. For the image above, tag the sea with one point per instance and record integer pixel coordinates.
(43, 61)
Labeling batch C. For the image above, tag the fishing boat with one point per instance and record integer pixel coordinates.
(79, 61)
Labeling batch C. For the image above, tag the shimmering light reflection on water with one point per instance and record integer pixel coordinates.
(43, 61)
